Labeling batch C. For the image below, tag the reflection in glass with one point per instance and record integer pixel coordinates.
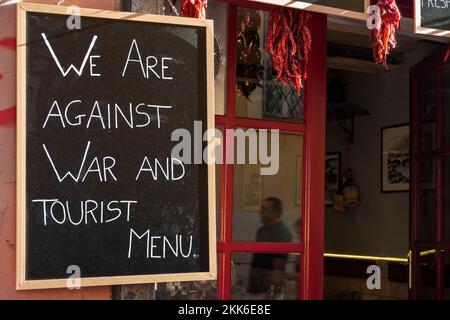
(447, 197)
(188, 290)
(427, 215)
(428, 111)
(427, 199)
(447, 104)
(273, 229)
(427, 275)
(258, 94)
(447, 275)
(267, 208)
(265, 276)
(249, 70)
(219, 192)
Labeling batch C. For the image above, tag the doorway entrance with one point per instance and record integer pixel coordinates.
(430, 197)
(254, 100)
(369, 130)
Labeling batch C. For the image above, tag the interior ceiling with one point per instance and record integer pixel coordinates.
(363, 41)
(356, 34)
(350, 39)
(352, 33)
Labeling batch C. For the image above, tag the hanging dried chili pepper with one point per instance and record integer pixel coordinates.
(383, 39)
(289, 43)
(249, 69)
(193, 8)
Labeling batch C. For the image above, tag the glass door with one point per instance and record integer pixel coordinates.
(270, 233)
(430, 194)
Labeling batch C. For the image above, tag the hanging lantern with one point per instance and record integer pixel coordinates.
(289, 43)
(339, 202)
(383, 39)
(347, 196)
(350, 190)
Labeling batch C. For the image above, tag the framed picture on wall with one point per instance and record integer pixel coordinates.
(332, 176)
(252, 188)
(395, 158)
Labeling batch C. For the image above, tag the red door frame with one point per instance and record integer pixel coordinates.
(313, 132)
(435, 62)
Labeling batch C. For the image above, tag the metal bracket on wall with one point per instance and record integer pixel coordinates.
(345, 115)
(349, 129)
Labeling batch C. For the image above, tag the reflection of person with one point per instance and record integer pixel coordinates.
(294, 275)
(267, 270)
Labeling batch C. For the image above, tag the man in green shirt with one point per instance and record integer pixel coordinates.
(267, 269)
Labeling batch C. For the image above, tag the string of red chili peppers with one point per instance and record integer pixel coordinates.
(193, 8)
(289, 43)
(383, 39)
(289, 38)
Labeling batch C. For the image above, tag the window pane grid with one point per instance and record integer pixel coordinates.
(226, 246)
(236, 246)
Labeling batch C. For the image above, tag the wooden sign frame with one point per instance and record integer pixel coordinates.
(21, 281)
(320, 8)
(422, 30)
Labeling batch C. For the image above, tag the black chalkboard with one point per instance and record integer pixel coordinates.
(435, 15)
(128, 207)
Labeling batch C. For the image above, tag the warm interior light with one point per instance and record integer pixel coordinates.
(363, 257)
(378, 258)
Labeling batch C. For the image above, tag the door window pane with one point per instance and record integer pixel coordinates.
(219, 192)
(258, 94)
(447, 197)
(427, 275)
(267, 207)
(447, 104)
(428, 215)
(427, 211)
(218, 12)
(265, 276)
(428, 111)
(447, 275)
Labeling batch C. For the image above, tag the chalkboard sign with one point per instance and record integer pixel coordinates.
(355, 9)
(103, 197)
(432, 17)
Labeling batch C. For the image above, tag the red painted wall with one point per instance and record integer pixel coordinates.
(7, 161)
